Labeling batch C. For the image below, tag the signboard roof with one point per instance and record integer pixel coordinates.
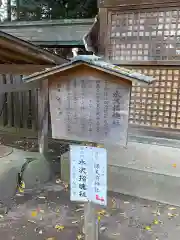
(94, 62)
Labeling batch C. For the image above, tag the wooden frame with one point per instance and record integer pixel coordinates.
(137, 4)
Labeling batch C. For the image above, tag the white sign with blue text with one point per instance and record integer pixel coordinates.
(88, 174)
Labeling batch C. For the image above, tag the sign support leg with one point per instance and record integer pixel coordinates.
(91, 228)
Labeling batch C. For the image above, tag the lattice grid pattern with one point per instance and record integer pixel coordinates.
(150, 35)
(157, 104)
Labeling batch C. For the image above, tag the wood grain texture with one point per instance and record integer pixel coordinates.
(89, 109)
(103, 17)
(137, 3)
(47, 33)
(43, 106)
(144, 35)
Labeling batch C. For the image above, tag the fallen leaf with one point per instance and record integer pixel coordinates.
(58, 210)
(79, 237)
(41, 197)
(21, 190)
(73, 222)
(102, 212)
(79, 209)
(172, 208)
(59, 227)
(19, 195)
(58, 181)
(34, 213)
(31, 221)
(99, 218)
(102, 229)
(170, 215)
(51, 238)
(148, 228)
(116, 234)
(23, 185)
(156, 222)
(156, 213)
(66, 187)
(174, 165)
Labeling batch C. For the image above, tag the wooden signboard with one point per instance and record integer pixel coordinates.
(90, 109)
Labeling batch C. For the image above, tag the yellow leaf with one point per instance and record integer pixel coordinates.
(156, 221)
(99, 218)
(79, 236)
(51, 238)
(102, 212)
(172, 208)
(59, 227)
(23, 184)
(148, 228)
(21, 190)
(174, 165)
(34, 213)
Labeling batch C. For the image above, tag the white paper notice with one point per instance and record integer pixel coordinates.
(88, 175)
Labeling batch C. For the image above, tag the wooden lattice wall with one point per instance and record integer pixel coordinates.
(144, 35)
(149, 35)
(157, 104)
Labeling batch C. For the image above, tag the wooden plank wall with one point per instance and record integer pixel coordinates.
(18, 110)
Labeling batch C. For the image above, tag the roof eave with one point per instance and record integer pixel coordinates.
(66, 66)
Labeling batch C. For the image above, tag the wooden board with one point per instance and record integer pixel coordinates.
(90, 109)
(137, 3)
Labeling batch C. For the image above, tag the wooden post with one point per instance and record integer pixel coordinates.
(91, 228)
(43, 117)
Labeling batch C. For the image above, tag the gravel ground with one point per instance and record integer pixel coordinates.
(48, 214)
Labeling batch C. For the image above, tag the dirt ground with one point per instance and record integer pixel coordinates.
(48, 214)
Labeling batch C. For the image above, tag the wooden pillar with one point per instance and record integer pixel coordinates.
(43, 106)
(91, 228)
(103, 32)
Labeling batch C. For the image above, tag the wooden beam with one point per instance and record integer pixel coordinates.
(18, 87)
(136, 4)
(12, 57)
(27, 52)
(147, 63)
(22, 69)
(103, 18)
